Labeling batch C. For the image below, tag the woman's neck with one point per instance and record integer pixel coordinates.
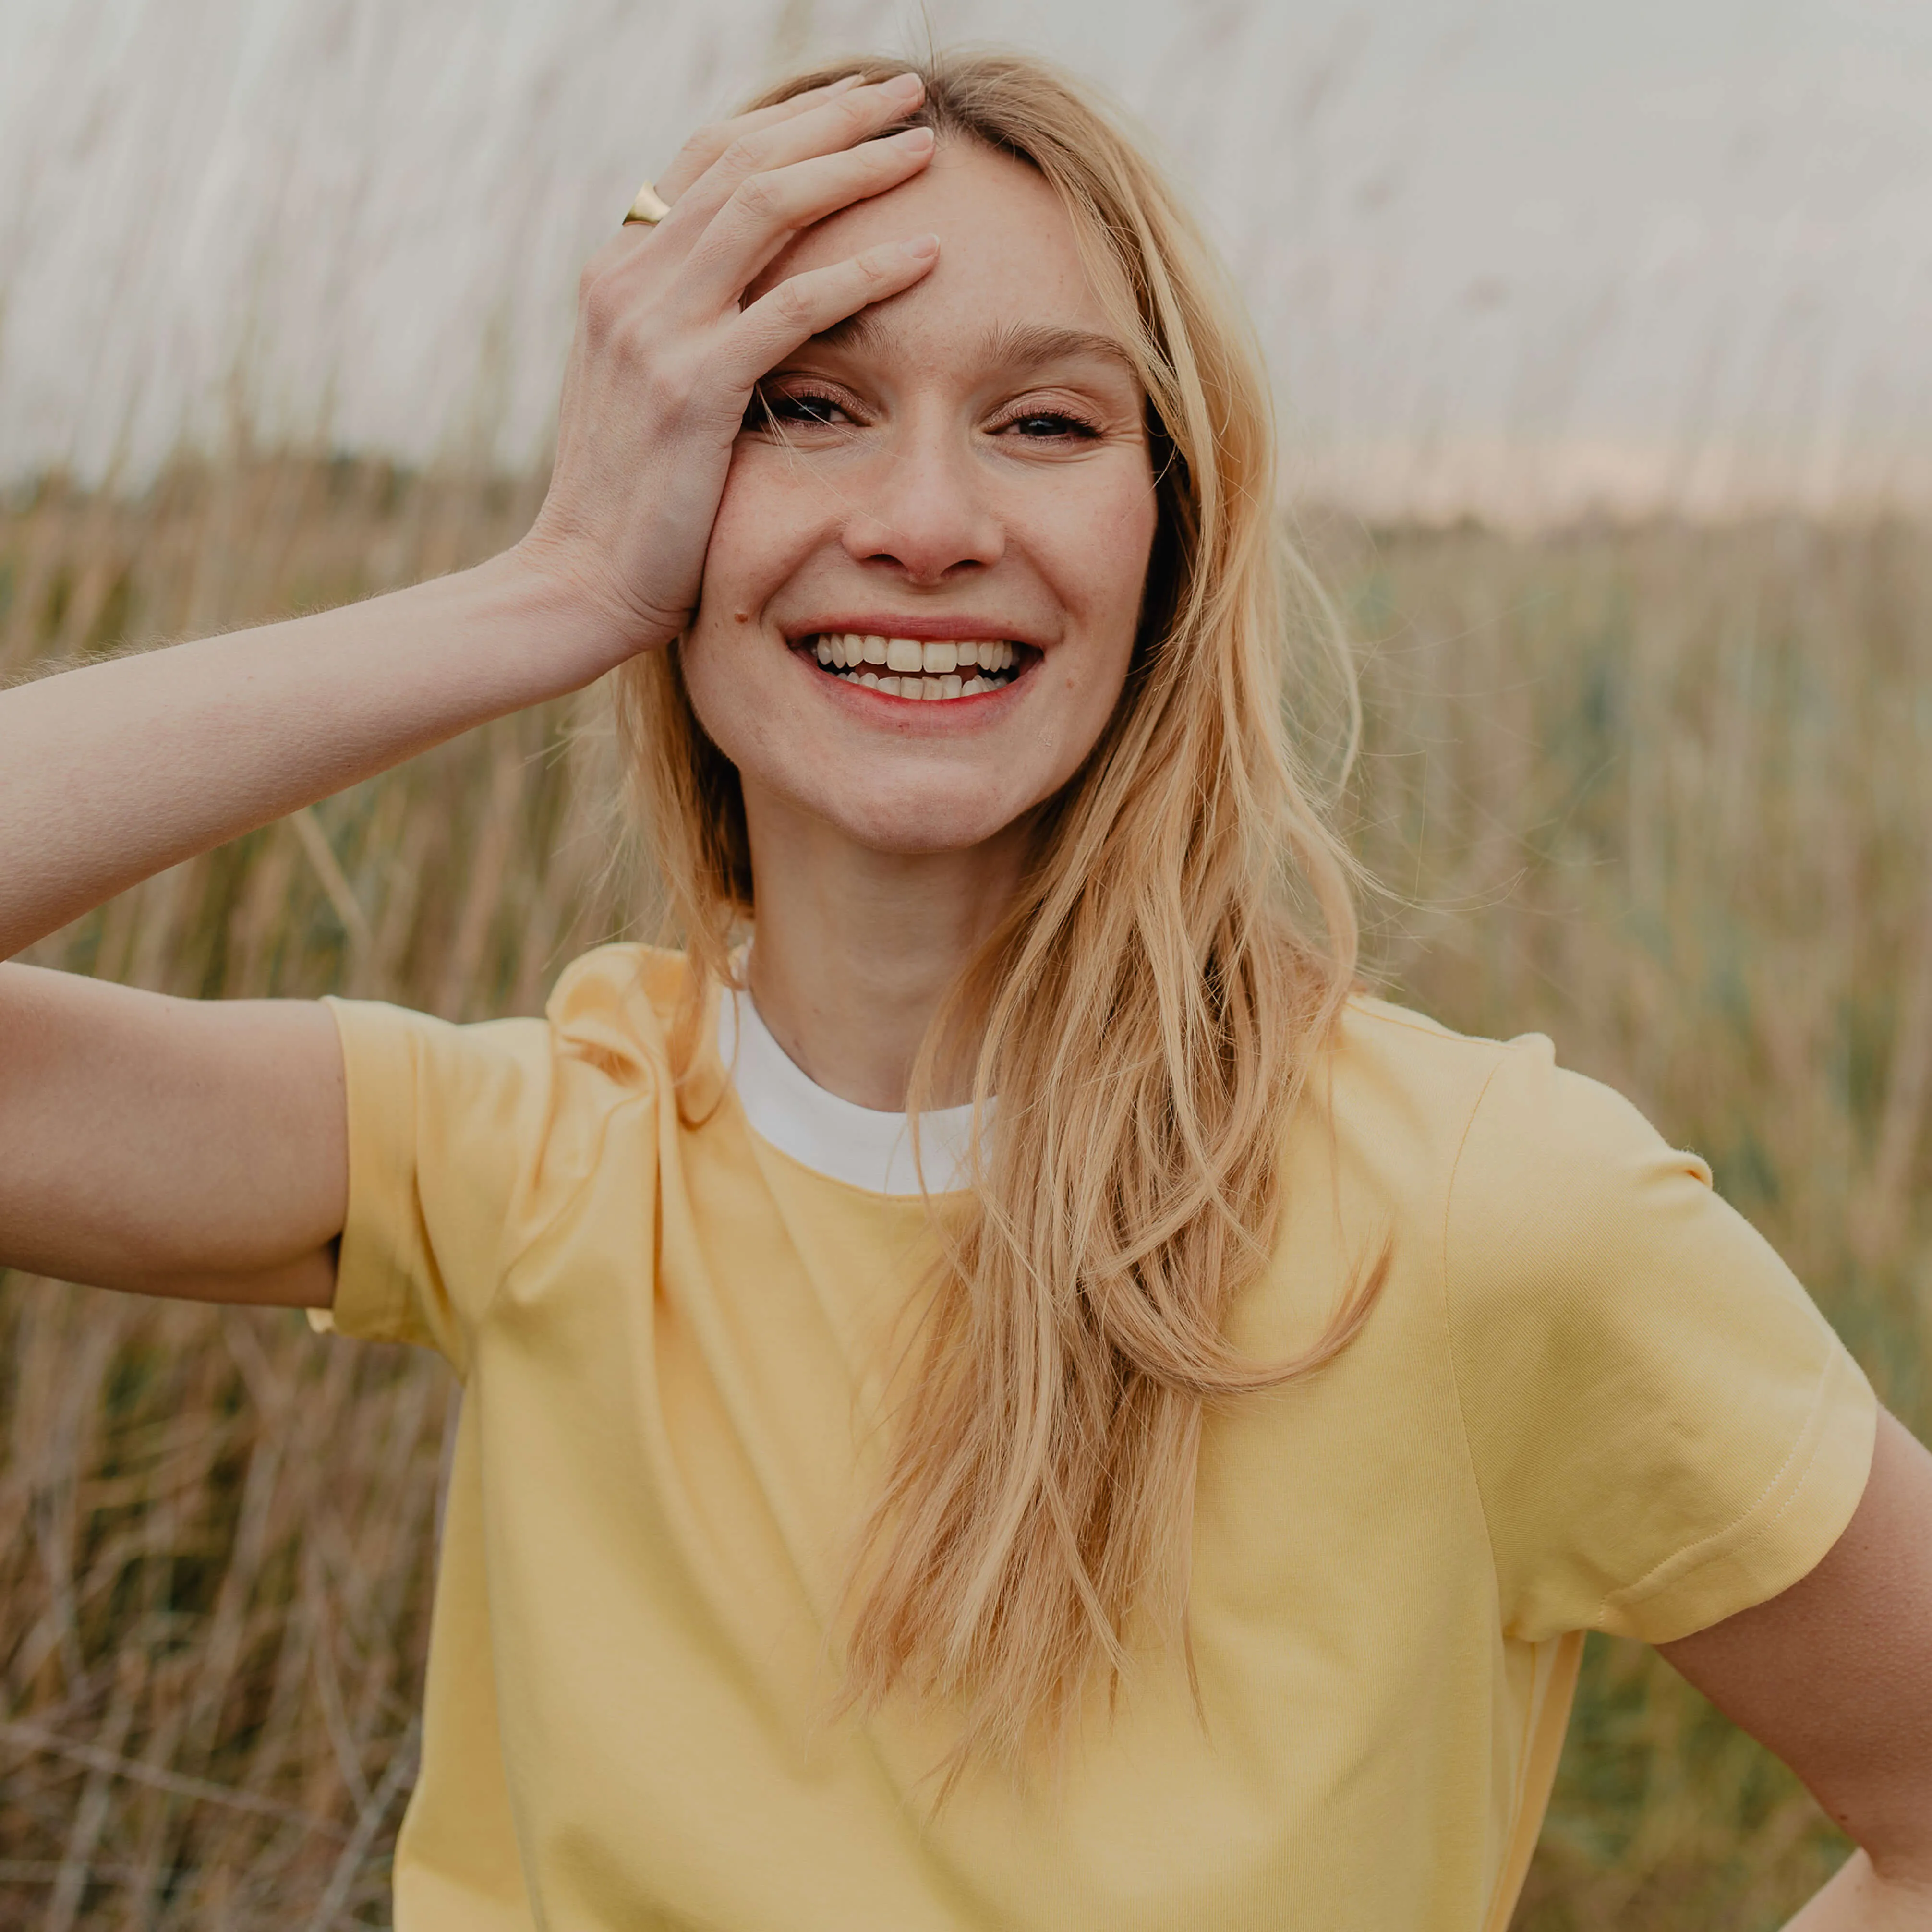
(855, 948)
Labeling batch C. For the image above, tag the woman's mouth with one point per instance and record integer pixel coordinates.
(908, 667)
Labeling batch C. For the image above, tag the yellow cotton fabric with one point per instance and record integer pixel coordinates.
(1590, 1397)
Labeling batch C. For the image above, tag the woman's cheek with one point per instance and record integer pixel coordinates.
(730, 552)
(1101, 547)
(764, 522)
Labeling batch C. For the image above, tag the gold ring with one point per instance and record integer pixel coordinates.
(649, 207)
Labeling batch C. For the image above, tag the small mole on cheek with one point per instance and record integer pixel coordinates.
(741, 616)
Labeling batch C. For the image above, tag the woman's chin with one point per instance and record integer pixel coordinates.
(925, 833)
(944, 813)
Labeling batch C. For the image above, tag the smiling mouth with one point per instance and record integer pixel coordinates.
(907, 668)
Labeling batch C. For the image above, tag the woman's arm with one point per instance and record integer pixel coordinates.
(168, 1145)
(1835, 1676)
(162, 1144)
(112, 772)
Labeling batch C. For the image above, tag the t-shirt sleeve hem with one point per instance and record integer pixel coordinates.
(372, 1289)
(1784, 1536)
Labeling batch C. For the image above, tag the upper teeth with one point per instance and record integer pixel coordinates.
(845, 648)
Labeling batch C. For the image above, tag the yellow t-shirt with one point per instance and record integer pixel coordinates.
(1589, 1397)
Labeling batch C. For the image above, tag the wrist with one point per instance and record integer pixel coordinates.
(596, 628)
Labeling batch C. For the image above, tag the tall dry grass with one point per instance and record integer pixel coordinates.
(1663, 793)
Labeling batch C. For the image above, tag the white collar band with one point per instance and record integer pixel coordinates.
(860, 1146)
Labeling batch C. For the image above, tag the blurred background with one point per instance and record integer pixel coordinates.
(1598, 336)
(1525, 259)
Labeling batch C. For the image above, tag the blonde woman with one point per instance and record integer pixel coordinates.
(1001, 1392)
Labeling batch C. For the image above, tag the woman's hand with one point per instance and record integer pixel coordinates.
(667, 354)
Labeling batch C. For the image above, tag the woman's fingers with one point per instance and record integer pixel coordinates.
(767, 211)
(697, 262)
(832, 127)
(705, 146)
(806, 305)
(840, 117)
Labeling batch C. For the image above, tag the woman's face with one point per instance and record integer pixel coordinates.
(960, 475)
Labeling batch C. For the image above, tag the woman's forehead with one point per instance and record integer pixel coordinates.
(1010, 266)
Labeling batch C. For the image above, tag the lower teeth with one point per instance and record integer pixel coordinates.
(912, 685)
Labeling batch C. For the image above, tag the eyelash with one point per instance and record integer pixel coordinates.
(766, 406)
(1077, 426)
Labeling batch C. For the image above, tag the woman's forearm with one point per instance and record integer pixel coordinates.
(110, 773)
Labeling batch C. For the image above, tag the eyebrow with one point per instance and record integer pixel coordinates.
(1010, 345)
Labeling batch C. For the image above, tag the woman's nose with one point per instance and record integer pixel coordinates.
(925, 513)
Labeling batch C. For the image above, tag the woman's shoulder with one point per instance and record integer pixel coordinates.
(1378, 1039)
(530, 1087)
(466, 1142)
(1406, 1087)
(1486, 1137)
(1401, 1062)
(614, 1008)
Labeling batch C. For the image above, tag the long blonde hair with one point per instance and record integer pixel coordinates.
(1147, 1013)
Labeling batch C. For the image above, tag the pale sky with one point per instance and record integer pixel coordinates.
(1513, 257)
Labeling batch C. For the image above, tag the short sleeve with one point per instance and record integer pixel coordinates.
(1665, 1430)
(444, 1123)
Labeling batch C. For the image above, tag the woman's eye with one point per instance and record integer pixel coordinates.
(781, 408)
(1043, 424)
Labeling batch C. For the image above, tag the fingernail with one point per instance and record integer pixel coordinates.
(922, 248)
(913, 137)
(905, 87)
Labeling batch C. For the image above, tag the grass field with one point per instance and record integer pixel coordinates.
(1664, 793)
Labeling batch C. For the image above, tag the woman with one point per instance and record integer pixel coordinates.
(1162, 1478)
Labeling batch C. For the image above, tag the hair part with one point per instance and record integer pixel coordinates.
(1147, 1012)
